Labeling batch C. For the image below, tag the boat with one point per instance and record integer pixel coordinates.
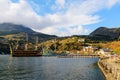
(26, 53)
(15, 52)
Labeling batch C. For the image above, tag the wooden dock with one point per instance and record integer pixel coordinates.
(80, 56)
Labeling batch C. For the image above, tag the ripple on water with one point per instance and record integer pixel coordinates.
(49, 68)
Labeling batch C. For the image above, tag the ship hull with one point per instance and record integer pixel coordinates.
(27, 53)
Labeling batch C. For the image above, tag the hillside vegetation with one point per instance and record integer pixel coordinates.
(99, 38)
(73, 44)
(64, 44)
(114, 46)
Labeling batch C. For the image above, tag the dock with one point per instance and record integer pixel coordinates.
(80, 56)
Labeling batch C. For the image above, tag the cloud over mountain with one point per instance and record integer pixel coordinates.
(65, 17)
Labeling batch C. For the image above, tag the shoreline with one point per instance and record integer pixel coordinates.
(109, 68)
(102, 70)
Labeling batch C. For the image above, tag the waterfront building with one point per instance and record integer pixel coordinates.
(105, 52)
(88, 49)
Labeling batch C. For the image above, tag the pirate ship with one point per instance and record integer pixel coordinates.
(25, 52)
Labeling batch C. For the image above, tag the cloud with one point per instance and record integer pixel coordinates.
(65, 13)
(64, 31)
(19, 13)
(112, 2)
(59, 4)
(35, 6)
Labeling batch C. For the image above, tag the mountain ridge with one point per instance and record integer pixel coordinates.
(10, 28)
(105, 34)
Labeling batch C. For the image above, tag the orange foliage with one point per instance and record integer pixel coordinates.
(114, 46)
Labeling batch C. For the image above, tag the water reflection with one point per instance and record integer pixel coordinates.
(49, 68)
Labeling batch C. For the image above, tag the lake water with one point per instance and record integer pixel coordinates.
(49, 68)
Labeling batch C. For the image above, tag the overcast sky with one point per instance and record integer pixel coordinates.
(61, 17)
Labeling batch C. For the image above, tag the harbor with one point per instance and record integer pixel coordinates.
(49, 68)
(59, 40)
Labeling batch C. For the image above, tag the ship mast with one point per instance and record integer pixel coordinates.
(26, 44)
(17, 45)
(36, 46)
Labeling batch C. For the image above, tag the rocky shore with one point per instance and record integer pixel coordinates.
(110, 67)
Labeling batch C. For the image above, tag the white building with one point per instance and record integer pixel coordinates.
(105, 51)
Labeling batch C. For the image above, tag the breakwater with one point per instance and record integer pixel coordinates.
(110, 68)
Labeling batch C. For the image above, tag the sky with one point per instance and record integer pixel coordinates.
(61, 17)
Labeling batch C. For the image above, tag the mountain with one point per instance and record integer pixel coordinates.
(9, 28)
(15, 30)
(105, 34)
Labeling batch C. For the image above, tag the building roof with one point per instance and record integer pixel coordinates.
(106, 49)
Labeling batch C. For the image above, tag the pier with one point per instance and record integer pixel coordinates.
(80, 56)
